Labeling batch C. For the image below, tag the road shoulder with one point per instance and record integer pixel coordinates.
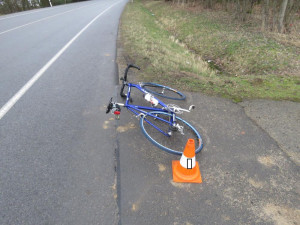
(281, 120)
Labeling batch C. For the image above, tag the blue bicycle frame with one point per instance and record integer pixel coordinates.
(165, 114)
(142, 110)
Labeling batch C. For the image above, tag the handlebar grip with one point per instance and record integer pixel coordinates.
(109, 106)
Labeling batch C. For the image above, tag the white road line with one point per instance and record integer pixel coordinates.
(28, 85)
(34, 11)
(23, 14)
(27, 24)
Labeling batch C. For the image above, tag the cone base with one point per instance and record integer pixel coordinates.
(183, 178)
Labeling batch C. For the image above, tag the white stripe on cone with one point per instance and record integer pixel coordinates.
(188, 163)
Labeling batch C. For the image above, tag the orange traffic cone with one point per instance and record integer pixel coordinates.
(187, 169)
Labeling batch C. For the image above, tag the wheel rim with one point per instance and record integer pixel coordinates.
(163, 91)
(174, 144)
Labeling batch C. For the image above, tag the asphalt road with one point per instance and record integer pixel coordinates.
(247, 177)
(57, 157)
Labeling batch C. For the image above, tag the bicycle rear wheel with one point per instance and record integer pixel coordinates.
(163, 91)
(175, 143)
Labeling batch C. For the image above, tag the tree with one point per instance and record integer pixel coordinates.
(265, 14)
(276, 15)
(282, 15)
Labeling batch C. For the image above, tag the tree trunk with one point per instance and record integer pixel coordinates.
(226, 5)
(244, 10)
(238, 10)
(282, 15)
(274, 15)
(265, 15)
(289, 15)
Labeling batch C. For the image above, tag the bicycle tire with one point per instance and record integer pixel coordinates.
(169, 144)
(170, 93)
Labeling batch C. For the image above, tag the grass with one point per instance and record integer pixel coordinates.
(173, 45)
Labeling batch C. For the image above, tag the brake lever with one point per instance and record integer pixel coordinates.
(109, 106)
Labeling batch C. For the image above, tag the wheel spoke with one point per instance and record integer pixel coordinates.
(176, 142)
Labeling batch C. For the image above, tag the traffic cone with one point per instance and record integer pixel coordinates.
(187, 169)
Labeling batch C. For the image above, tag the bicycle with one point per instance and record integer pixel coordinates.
(159, 123)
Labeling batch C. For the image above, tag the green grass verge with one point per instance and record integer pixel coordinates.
(172, 45)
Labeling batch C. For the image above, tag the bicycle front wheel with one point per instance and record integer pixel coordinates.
(175, 143)
(163, 91)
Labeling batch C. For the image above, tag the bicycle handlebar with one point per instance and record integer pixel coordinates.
(127, 69)
(125, 78)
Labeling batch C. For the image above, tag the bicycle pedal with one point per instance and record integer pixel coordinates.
(191, 107)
